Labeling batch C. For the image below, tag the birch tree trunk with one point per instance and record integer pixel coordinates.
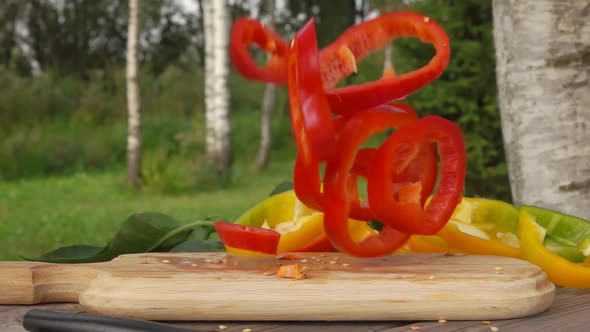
(133, 101)
(386, 7)
(217, 120)
(268, 105)
(543, 77)
(387, 58)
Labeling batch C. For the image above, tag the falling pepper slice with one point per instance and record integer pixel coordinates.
(404, 210)
(311, 120)
(371, 35)
(307, 179)
(338, 200)
(247, 31)
(338, 59)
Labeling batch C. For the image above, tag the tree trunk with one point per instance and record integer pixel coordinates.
(387, 58)
(268, 105)
(217, 121)
(388, 50)
(543, 77)
(133, 101)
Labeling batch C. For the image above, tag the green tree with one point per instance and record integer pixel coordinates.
(84, 35)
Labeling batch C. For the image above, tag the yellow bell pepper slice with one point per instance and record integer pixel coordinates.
(301, 228)
(424, 243)
(463, 241)
(559, 270)
(477, 226)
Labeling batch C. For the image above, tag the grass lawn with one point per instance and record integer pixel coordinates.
(40, 215)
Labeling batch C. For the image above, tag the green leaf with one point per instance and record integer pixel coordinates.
(142, 232)
(66, 254)
(282, 187)
(199, 229)
(214, 236)
(376, 225)
(201, 233)
(199, 246)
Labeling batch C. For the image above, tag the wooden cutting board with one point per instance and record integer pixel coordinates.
(216, 286)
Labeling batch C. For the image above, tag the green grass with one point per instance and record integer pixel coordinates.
(39, 215)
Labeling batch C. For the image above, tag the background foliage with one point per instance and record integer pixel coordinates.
(62, 103)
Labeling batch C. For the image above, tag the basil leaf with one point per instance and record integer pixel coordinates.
(282, 187)
(199, 246)
(141, 232)
(81, 253)
(199, 230)
(214, 236)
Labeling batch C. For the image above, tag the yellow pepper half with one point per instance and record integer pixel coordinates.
(424, 243)
(478, 226)
(301, 228)
(558, 269)
(465, 242)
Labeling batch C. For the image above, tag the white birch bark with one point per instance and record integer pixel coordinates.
(217, 116)
(133, 100)
(543, 77)
(268, 105)
(387, 57)
(388, 50)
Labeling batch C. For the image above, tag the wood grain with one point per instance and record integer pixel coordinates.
(214, 286)
(570, 312)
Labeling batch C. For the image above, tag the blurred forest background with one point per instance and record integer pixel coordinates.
(63, 119)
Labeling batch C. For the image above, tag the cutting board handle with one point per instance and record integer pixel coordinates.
(32, 282)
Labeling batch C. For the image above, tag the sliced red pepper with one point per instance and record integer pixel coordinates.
(338, 202)
(311, 119)
(307, 180)
(307, 183)
(423, 168)
(404, 210)
(371, 35)
(245, 32)
(338, 60)
(250, 238)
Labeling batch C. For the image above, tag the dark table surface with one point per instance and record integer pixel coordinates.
(569, 312)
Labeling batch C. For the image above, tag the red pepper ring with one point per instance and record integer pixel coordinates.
(423, 169)
(404, 211)
(311, 119)
(307, 179)
(338, 205)
(371, 35)
(307, 183)
(247, 31)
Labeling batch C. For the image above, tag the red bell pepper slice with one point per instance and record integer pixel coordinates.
(364, 38)
(340, 202)
(311, 119)
(403, 209)
(247, 31)
(307, 183)
(338, 60)
(248, 237)
(423, 168)
(307, 179)
(336, 214)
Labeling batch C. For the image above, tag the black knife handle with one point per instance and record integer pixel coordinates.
(36, 320)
